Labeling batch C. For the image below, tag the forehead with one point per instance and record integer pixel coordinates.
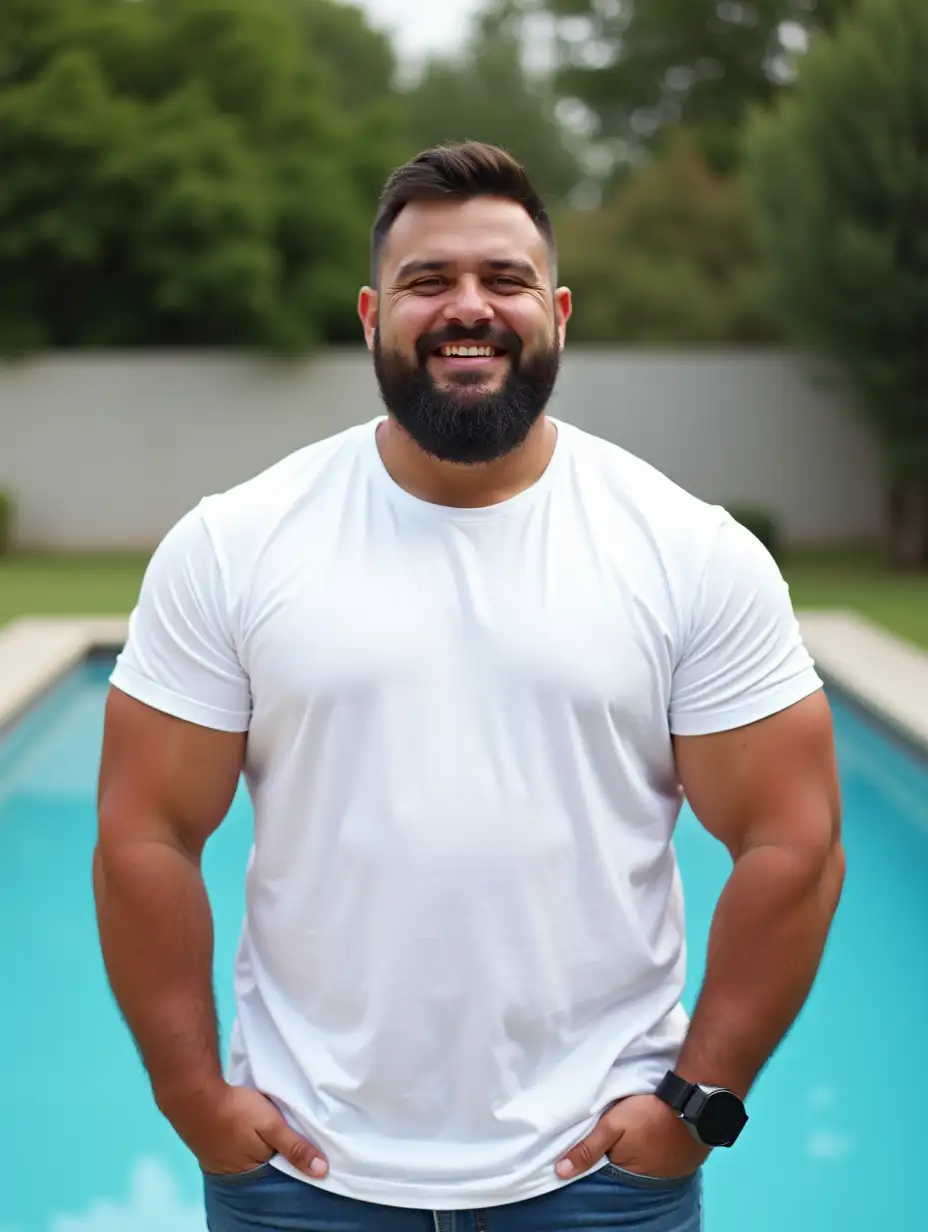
(464, 233)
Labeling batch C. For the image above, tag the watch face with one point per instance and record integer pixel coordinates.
(722, 1119)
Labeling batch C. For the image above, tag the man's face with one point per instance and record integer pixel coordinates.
(466, 328)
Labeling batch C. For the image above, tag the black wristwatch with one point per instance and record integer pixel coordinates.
(714, 1116)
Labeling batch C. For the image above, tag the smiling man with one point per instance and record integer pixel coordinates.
(470, 660)
(466, 327)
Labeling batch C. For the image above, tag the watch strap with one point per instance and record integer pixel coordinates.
(675, 1091)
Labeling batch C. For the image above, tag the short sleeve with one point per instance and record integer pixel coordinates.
(180, 657)
(744, 658)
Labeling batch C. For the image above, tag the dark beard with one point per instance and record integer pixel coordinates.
(472, 427)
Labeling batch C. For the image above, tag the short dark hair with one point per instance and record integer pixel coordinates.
(456, 172)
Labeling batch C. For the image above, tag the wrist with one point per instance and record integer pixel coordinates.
(179, 1094)
(712, 1076)
(714, 1115)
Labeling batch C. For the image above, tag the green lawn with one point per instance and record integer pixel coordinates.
(68, 585)
(864, 584)
(108, 585)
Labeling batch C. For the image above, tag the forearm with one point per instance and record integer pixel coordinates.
(765, 945)
(156, 933)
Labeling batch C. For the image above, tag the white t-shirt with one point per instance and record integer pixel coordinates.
(464, 934)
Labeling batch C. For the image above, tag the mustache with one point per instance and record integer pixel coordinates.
(487, 335)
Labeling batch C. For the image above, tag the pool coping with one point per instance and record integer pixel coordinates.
(884, 674)
(36, 652)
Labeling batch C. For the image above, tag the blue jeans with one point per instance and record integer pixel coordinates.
(267, 1200)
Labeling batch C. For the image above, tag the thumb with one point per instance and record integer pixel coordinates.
(297, 1150)
(598, 1143)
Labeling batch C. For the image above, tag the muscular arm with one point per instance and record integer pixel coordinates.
(165, 786)
(769, 792)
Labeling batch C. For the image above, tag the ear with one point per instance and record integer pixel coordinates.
(367, 311)
(563, 306)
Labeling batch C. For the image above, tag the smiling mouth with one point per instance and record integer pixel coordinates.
(468, 351)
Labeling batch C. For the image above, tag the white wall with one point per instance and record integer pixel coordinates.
(107, 451)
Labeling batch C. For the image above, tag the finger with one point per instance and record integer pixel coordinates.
(295, 1149)
(593, 1147)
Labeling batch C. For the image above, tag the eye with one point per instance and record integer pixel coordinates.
(507, 282)
(428, 284)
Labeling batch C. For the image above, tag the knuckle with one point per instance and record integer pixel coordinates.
(299, 1152)
(583, 1155)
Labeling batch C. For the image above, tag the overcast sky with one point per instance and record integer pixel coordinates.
(421, 26)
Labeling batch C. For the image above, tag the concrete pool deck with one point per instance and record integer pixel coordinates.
(885, 674)
(36, 653)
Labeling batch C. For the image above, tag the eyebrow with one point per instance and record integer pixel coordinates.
(507, 264)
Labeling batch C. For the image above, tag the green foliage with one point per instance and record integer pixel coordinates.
(6, 521)
(485, 94)
(668, 259)
(641, 65)
(191, 172)
(839, 176)
(358, 61)
(762, 524)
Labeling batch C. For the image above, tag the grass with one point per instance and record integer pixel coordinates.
(35, 585)
(862, 582)
(39, 585)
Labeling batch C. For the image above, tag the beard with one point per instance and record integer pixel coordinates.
(466, 422)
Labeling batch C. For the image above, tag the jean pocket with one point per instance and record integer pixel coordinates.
(638, 1180)
(240, 1178)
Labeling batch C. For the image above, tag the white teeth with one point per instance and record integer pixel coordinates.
(466, 352)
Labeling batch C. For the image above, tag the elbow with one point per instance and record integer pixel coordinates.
(827, 857)
(807, 854)
(834, 859)
(827, 862)
(821, 871)
(107, 841)
(100, 871)
(834, 873)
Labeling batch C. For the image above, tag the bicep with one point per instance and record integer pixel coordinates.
(163, 778)
(774, 781)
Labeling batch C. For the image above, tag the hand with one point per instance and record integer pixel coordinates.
(640, 1134)
(236, 1129)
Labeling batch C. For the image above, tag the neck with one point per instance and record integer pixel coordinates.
(465, 487)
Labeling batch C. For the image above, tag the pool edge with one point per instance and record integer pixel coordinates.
(37, 652)
(877, 672)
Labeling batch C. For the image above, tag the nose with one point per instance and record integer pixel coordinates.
(468, 304)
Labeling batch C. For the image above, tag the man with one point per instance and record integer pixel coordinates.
(470, 659)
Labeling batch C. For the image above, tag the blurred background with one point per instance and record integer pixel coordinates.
(740, 192)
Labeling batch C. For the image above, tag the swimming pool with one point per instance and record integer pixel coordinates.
(836, 1139)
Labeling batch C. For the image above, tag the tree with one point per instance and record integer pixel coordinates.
(359, 61)
(669, 258)
(839, 176)
(643, 65)
(486, 94)
(186, 172)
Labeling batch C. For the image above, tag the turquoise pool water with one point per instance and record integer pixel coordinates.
(836, 1141)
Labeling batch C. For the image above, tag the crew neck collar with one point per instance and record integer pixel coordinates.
(457, 513)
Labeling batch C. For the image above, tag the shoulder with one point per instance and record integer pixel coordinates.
(673, 526)
(225, 535)
(737, 649)
(242, 520)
